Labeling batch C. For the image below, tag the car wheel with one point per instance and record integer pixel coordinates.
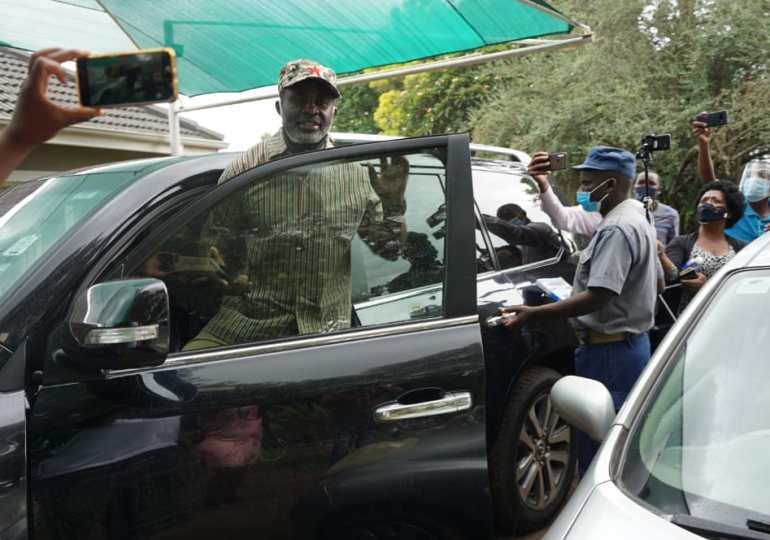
(532, 463)
(391, 524)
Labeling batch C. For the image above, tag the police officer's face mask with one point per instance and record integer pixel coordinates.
(584, 198)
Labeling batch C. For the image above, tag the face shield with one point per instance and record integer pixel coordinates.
(755, 182)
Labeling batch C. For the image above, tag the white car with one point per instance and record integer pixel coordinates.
(688, 455)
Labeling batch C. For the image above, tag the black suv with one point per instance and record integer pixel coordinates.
(413, 418)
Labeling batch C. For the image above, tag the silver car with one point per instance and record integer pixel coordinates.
(688, 455)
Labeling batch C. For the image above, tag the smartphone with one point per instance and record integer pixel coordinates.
(558, 161)
(131, 78)
(713, 119)
(688, 273)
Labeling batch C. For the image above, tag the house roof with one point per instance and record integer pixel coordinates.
(145, 119)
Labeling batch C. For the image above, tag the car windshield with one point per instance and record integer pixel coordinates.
(702, 446)
(37, 220)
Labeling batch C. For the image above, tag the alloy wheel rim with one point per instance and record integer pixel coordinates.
(542, 454)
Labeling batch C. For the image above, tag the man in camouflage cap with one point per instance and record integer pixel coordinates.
(307, 104)
(286, 232)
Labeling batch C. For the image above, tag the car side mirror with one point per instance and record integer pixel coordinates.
(121, 324)
(584, 404)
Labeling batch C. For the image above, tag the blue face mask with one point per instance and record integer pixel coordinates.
(641, 193)
(584, 198)
(755, 189)
(517, 221)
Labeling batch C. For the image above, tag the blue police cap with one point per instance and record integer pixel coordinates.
(607, 158)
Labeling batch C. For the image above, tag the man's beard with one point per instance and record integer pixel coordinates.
(300, 137)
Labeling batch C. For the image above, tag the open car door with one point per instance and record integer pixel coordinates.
(359, 412)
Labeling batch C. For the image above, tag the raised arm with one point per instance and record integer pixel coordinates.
(36, 118)
(567, 218)
(705, 165)
(383, 227)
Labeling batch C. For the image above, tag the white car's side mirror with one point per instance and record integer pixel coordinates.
(584, 404)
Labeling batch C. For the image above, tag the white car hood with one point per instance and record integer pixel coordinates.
(609, 513)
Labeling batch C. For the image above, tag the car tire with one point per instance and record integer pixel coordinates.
(393, 523)
(523, 462)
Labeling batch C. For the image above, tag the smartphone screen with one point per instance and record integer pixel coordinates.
(558, 161)
(127, 79)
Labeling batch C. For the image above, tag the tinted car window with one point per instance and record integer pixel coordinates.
(39, 221)
(315, 249)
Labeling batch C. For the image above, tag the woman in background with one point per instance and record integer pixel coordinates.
(691, 259)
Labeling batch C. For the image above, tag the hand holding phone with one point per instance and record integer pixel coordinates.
(539, 168)
(712, 119)
(688, 273)
(558, 161)
(132, 78)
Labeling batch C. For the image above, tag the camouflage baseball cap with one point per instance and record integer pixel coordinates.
(299, 70)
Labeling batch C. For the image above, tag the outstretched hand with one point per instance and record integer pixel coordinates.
(701, 131)
(37, 118)
(539, 169)
(516, 316)
(390, 182)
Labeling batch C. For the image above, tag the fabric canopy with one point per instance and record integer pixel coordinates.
(236, 45)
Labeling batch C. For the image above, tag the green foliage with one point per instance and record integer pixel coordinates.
(419, 104)
(652, 68)
(355, 111)
(436, 102)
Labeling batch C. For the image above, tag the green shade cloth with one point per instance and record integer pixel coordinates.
(236, 45)
(38, 24)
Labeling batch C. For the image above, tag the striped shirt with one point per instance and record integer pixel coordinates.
(290, 235)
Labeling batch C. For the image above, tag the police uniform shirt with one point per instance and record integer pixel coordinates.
(622, 258)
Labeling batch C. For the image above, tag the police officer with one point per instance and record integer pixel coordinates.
(615, 286)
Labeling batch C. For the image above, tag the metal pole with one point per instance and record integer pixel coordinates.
(421, 68)
(174, 137)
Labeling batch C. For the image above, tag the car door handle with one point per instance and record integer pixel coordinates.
(451, 402)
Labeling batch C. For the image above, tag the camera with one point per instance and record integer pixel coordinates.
(655, 143)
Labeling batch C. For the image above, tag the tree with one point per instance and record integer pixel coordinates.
(419, 104)
(652, 68)
(355, 111)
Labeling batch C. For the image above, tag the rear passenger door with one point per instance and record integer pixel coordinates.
(362, 410)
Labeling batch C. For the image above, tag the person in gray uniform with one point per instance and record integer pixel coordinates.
(615, 286)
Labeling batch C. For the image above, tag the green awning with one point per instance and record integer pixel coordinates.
(236, 45)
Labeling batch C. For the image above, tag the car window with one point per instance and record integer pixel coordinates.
(695, 449)
(509, 201)
(311, 250)
(37, 222)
